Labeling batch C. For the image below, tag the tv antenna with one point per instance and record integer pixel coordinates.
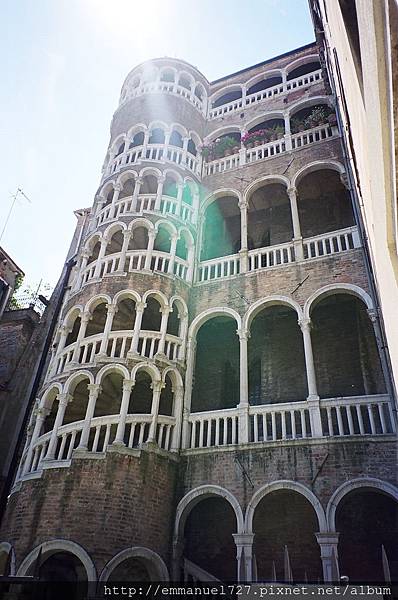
(14, 197)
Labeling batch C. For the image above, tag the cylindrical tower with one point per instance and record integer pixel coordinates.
(216, 402)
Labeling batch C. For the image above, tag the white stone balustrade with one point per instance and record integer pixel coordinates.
(218, 267)
(270, 149)
(262, 258)
(357, 415)
(286, 421)
(282, 254)
(117, 346)
(146, 204)
(331, 243)
(154, 152)
(260, 96)
(168, 87)
(135, 261)
(102, 434)
(214, 428)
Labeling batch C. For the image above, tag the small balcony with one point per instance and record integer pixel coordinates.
(341, 417)
(251, 96)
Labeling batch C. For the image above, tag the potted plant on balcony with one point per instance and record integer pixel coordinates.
(224, 146)
(277, 132)
(297, 125)
(318, 116)
(208, 152)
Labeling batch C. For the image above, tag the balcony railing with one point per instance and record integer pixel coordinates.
(257, 97)
(102, 434)
(118, 345)
(168, 87)
(318, 246)
(352, 416)
(154, 152)
(146, 203)
(270, 149)
(135, 261)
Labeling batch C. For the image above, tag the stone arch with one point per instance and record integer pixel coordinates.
(54, 546)
(317, 165)
(336, 288)
(141, 222)
(114, 368)
(174, 374)
(170, 69)
(150, 171)
(92, 240)
(46, 400)
(194, 496)
(188, 76)
(126, 175)
(354, 484)
(179, 128)
(173, 173)
(117, 142)
(262, 181)
(148, 368)
(96, 300)
(126, 294)
(75, 379)
(267, 116)
(156, 567)
(308, 102)
(167, 225)
(285, 485)
(211, 313)
(137, 128)
(262, 77)
(160, 296)
(72, 314)
(114, 228)
(301, 61)
(234, 87)
(219, 193)
(257, 306)
(224, 130)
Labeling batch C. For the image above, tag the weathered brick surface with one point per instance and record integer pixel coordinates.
(104, 505)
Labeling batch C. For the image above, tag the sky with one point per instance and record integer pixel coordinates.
(64, 62)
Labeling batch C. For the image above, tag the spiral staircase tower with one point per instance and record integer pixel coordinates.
(195, 374)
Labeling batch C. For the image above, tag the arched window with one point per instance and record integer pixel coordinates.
(176, 139)
(156, 136)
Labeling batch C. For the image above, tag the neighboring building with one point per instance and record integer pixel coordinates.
(359, 42)
(218, 387)
(10, 273)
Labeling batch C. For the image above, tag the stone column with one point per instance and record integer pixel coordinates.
(137, 188)
(173, 248)
(151, 243)
(117, 188)
(111, 311)
(191, 263)
(243, 406)
(195, 206)
(185, 141)
(64, 332)
(243, 253)
(178, 403)
(313, 398)
(124, 407)
(145, 144)
(163, 330)
(244, 556)
(166, 144)
(123, 252)
(288, 133)
(97, 271)
(330, 564)
(83, 264)
(191, 349)
(93, 392)
(157, 389)
(41, 414)
(297, 237)
(180, 189)
(182, 335)
(63, 400)
(139, 312)
(86, 316)
(159, 193)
